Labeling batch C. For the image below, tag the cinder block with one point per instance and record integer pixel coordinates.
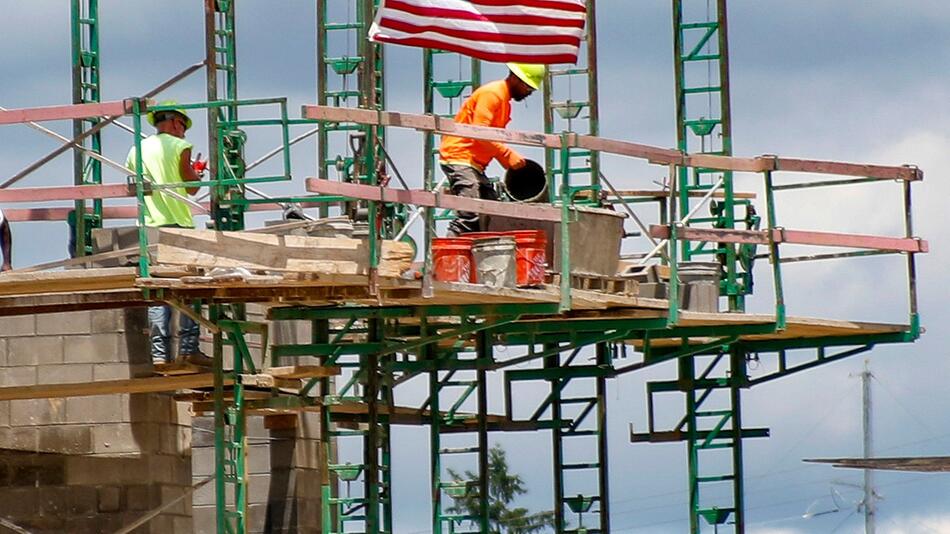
(109, 498)
(98, 470)
(18, 376)
(4, 413)
(257, 518)
(53, 502)
(164, 468)
(3, 352)
(117, 438)
(258, 486)
(18, 325)
(98, 409)
(81, 500)
(90, 348)
(64, 373)
(35, 475)
(174, 439)
(258, 459)
(32, 412)
(19, 503)
(104, 321)
(133, 347)
(169, 493)
(34, 350)
(138, 497)
(306, 454)
(65, 439)
(120, 371)
(19, 438)
(78, 322)
(203, 519)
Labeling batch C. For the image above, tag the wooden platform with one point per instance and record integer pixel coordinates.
(49, 292)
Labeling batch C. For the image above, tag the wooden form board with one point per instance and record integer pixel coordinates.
(419, 197)
(209, 249)
(151, 384)
(657, 155)
(74, 111)
(122, 212)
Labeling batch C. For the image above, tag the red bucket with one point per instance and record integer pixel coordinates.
(530, 256)
(452, 259)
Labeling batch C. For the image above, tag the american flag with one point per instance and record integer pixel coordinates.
(523, 31)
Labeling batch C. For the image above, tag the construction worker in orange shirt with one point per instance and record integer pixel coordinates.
(464, 160)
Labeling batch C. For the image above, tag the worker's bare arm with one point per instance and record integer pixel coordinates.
(187, 172)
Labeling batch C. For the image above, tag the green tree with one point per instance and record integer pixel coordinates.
(503, 487)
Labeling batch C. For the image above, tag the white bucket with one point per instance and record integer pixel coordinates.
(495, 261)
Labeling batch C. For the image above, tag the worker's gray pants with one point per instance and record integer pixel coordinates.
(467, 182)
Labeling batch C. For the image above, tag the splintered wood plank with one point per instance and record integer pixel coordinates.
(152, 384)
(209, 249)
(63, 302)
(303, 371)
(178, 368)
(76, 280)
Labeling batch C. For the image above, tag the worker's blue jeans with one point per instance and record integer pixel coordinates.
(159, 318)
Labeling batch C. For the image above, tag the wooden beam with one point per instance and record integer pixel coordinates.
(73, 111)
(656, 155)
(72, 192)
(794, 237)
(152, 384)
(124, 212)
(418, 197)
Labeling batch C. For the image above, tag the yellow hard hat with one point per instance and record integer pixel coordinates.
(529, 73)
(151, 114)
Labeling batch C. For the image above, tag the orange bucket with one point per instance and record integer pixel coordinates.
(452, 259)
(530, 256)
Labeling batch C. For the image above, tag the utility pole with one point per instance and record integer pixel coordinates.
(869, 495)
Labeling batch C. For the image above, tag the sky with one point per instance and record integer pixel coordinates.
(849, 80)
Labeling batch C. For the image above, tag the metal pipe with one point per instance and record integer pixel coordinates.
(416, 214)
(685, 220)
(626, 206)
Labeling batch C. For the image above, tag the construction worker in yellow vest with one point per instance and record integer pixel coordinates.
(464, 160)
(166, 159)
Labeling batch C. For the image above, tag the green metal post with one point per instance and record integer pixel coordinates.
(220, 455)
(775, 257)
(566, 112)
(225, 140)
(553, 362)
(566, 201)
(137, 109)
(699, 44)
(84, 22)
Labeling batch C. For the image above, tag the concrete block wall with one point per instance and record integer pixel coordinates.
(88, 464)
(94, 464)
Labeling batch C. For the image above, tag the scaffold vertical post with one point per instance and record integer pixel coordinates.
(87, 170)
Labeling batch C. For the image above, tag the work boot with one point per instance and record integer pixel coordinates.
(197, 358)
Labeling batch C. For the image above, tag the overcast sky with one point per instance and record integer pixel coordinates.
(851, 80)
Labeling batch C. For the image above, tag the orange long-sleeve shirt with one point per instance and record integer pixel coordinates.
(489, 105)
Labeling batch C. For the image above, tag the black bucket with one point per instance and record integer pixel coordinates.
(527, 184)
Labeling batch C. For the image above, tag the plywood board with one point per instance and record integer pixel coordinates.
(209, 249)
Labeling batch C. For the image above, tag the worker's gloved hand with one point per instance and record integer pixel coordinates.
(199, 166)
